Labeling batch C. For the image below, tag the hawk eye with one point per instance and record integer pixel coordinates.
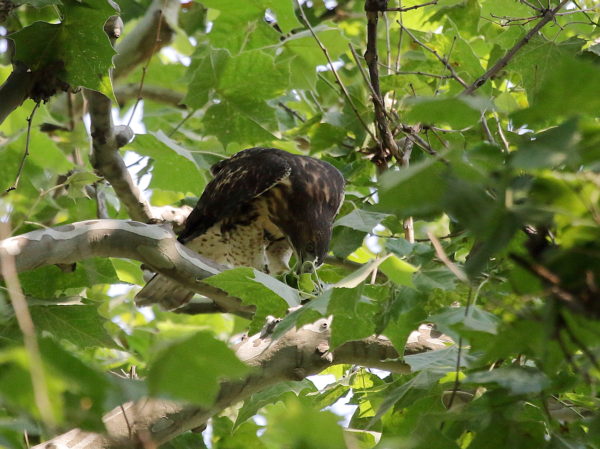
(310, 247)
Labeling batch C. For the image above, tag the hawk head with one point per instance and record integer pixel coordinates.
(311, 245)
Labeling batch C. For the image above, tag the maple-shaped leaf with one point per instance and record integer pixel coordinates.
(77, 48)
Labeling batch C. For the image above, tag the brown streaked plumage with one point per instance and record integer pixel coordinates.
(262, 205)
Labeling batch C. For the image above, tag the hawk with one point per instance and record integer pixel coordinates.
(262, 205)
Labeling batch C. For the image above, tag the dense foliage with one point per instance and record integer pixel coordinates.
(503, 185)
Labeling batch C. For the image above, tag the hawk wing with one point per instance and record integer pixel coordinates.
(237, 181)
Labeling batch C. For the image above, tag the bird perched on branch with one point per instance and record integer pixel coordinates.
(262, 205)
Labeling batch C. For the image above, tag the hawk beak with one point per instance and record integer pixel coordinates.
(308, 266)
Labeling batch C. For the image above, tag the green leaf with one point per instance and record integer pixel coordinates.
(271, 395)
(175, 168)
(516, 379)
(78, 48)
(398, 270)
(358, 276)
(476, 319)
(423, 380)
(45, 159)
(191, 368)
(361, 220)
(319, 429)
(353, 315)
(403, 314)
(417, 190)
(241, 26)
(466, 14)
(50, 281)
(80, 325)
(206, 68)
(241, 102)
(87, 388)
(439, 362)
(506, 8)
(37, 3)
(551, 148)
(304, 54)
(550, 103)
(270, 296)
(455, 112)
(248, 121)
(434, 278)
(540, 62)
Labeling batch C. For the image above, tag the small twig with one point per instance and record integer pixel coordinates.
(26, 152)
(502, 62)
(525, 2)
(335, 73)
(444, 237)
(37, 201)
(399, 49)
(589, 354)
(409, 8)
(437, 136)
(446, 58)
(137, 162)
(182, 121)
(486, 129)
(415, 72)
(25, 322)
(291, 111)
(509, 21)
(70, 110)
(442, 130)
(374, 94)
(550, 279)
(411, 134)
(439, 251)
(505, 143)
(388, 49)
(586, 14)
(145, 67)
(101, 208)
(570, 360)
(459, 355)
(129, 428)
(446, 63)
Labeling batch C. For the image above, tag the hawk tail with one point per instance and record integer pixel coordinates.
(164, 291)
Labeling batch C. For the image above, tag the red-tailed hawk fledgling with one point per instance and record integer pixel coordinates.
(262, 205)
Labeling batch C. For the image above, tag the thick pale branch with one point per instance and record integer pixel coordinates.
(106, 158)
(153, 245)
(295, 355)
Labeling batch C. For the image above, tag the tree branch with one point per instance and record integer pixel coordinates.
(141, 43)
(153, 245)
(106, 141)
(295, 355)
(547, 16)
(409, 8)
(386, 138)
(105, 158)
(444, 61)
(159, 94)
